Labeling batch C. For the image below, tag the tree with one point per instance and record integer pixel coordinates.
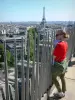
(10, 58)
(32, 33)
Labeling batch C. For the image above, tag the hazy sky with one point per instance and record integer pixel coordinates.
(32, 10)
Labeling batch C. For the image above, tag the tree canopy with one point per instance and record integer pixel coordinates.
(10, 58)
(32, 33)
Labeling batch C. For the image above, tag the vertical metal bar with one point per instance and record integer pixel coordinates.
(27, 71)
(25, 40)
(40, 83)
(23, 75)
(37, 71)
(41, 78)
(46, 81)
(48, 62)
(51, 47)
(43, 62)
(16, 72)
(42, 68)
(45, 66)
(6, 72)
(48, 45)
(72, 41)
(33, 70)
(40, 73)
(70, 48)
(50, 38)
(50, 56)
(2, 93)
(10, 91)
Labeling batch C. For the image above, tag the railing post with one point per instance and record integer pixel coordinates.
(27, 71)
(37, 71)
(6, 72)
(43, 62)
(33, 71)
(23, 74)
(16, 72)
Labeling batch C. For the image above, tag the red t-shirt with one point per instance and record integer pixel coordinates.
(60, 51)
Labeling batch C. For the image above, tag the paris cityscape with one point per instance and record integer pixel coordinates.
(24, 49)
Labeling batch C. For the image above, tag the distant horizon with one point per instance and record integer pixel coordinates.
(39, 21)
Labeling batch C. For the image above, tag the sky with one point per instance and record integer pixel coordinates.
(32, 10)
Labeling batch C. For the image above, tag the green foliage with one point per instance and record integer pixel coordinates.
(32, 33)
(10, 58)
(11, 61)
(1, 53)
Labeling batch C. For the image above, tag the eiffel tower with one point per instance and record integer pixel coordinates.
(43, 19)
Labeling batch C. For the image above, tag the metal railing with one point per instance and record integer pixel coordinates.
(33, 87)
